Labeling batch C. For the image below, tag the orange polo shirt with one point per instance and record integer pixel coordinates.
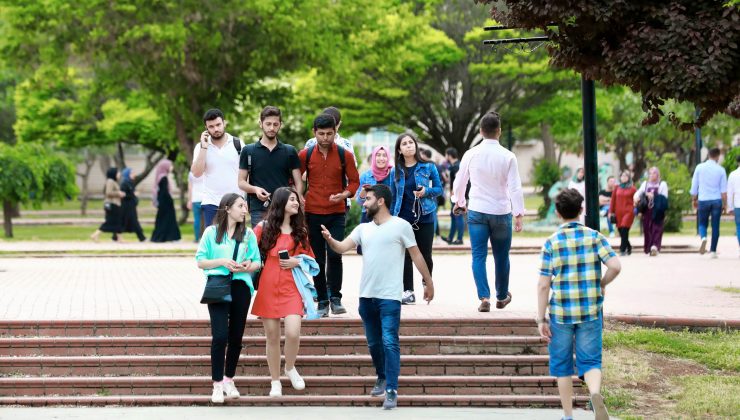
(325, 179)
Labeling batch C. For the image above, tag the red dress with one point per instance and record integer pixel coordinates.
(623, 206)
(278, 295)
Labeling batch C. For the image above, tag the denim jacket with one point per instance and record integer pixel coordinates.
(367, 178)
(426, 176)
(303, 281)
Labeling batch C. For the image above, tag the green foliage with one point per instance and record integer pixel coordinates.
(546, 174)
(687, 50)
(353, 218)
(730, 160)
(714, 349)
(708, 396)
(678, 178)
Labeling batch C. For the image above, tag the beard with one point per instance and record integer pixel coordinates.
(268, 136)
(217, 135)
(372, 211)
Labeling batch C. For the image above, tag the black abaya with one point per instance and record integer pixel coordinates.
(165, 225)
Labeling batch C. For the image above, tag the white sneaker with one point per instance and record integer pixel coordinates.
(408, 298)
(295, 379)
(218, 394)
(703, 246)
(713, 255)
(653, 251)
(276, 389)
(230, 390)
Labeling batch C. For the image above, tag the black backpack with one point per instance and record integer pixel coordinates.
(342, 160)
(237, 145)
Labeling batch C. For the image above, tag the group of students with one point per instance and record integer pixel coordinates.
(120, 204)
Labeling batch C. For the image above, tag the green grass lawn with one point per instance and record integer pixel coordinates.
(80, 233)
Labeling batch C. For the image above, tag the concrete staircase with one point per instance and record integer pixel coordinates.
(444, 362)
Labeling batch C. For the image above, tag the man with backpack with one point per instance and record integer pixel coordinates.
(267, 165)
(332, 177)
(216, 159)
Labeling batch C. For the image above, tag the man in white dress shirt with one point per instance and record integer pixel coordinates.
(495, 196)
(733, 197)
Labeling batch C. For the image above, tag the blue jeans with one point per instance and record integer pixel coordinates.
(588, 344)
(707, 208)
(381, 318)
(209, 213)
(609, 224)
(256, 215)
(497, 228)
(197, 227)
(737, 224)
(457, 225)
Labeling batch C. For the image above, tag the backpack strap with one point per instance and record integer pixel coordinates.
(237, 145)
(249, 149)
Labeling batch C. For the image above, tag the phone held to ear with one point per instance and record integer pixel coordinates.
(283, 254)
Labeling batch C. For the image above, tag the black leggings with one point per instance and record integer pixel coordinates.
(424, 240)
(625, 245)
(227, 327)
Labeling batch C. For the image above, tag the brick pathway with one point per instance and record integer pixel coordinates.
(170, 287)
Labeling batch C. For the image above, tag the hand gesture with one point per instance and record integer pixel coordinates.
(325, 233)
(518, 225)
(250, 267)
(204, 139)
(290, 263)
(428, 291)
(544, 330)
(337, 198)
(420, 192)
(231, 265)
(262, 194)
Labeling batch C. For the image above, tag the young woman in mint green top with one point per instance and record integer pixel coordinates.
(228, 319)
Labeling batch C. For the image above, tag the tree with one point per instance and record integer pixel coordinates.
(31, 173)
(681, 49)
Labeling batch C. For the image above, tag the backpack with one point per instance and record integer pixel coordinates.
(237, 145)
(342, 160)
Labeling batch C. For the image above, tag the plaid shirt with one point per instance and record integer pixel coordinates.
(573, 257)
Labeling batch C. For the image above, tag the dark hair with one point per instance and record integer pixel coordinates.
(490, 122)
(399, 158)
(568, 203)
(381, 191)
(738, 159)
(324, 121)
(221, 221)
(426, 153)
(111, 173)
(274, 219)
(452, 152)
(714, 152)
(334, 112)
(212, 114)
(271, 111)
(610, 177)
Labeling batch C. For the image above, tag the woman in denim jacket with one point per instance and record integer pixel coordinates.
(415, 185)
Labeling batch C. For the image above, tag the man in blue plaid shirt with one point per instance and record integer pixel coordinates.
(571, 268)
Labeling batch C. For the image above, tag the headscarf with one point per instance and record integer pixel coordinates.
(656, 183)
(111, 173)
(381, 173)
(163, 168)
(625, 185)
(575, 176)
(126, 175)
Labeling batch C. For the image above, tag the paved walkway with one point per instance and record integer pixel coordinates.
(684, 285)
(285, 413)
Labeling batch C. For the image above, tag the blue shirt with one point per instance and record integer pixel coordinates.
(710, 181)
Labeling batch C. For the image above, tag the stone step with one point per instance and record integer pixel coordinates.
(260, 385)
(201, 327)
(350, 365)
(310, 345)
(302, 400)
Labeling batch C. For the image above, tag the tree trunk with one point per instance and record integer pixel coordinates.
(548, 142)
(120, 157)
(7, 218)
(85, 177)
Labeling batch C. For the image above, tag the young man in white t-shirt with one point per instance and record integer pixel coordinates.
(384, 243)
(216, 159)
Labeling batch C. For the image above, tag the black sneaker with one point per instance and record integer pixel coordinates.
(379, 388)
(323, 309)
(336, 306)
(391, 399)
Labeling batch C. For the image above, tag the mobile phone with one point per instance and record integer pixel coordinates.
(283, 254)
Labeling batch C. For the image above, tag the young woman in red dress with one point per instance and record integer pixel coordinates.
(622, 206)
(284, 228)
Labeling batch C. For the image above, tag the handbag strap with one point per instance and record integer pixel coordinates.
(236, 250)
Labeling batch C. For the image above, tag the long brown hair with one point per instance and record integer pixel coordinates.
(221, 221)
(274, 219)
(400, 161)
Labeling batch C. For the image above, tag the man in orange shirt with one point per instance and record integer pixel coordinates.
(331, 180)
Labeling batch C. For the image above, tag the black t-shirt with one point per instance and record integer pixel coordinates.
(606, 193)
(270, 169)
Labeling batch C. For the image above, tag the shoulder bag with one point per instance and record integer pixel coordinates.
(218, 286)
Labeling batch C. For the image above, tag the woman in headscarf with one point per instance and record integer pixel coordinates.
(112, 206)
(128, 205)
(655, 192)
(380, 169)
(623, 208)
(165, 225)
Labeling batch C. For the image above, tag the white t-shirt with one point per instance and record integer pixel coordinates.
(222, 171)
(383, 252)
(196, 195)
